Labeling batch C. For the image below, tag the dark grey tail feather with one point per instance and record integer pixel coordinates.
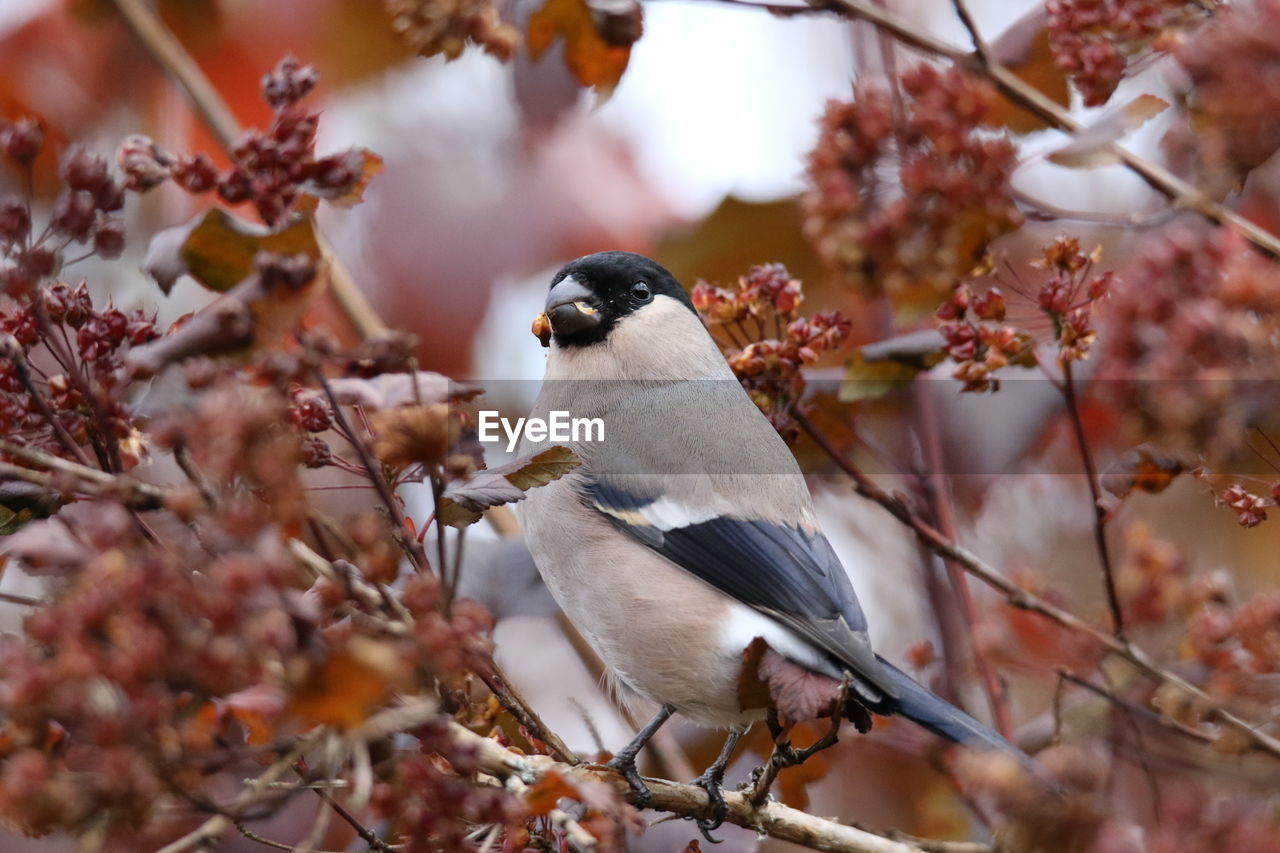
(942, 718)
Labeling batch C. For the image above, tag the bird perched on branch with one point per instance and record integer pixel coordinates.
(685, 548)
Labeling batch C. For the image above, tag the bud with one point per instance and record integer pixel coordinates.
(145, 164)
(21, 141)
(288, 83)
(195, 173)
(108, 240)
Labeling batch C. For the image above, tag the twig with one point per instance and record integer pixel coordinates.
(1024, 600)
(1099, 512)
(511, 699)
(23, 600)
(138, 496)
(411, 548)
(996, 698)
(966, 18)
(1033, 101)
(170, 55)
(783, 756)
(253, 836)
(19, 360)
(772, 818)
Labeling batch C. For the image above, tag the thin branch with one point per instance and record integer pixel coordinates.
(966, 18)
(19, 360)
(170, 55)
(1032, 100)
(1024, 600)
(772, 818)
(373, 471)
(996, 698)
(1095, 494)
(515, 704)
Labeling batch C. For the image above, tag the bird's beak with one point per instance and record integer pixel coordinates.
(572, 307)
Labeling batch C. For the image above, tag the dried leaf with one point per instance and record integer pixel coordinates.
(865, 379)
(542, 796)
(217, 249)
(350, 684)
(1091, 147)
(389, 390)
(597, 38)
(370, 167)
(1144, 468)
(463, 503)
(1024, 49)
(753, 691)
(255, 315)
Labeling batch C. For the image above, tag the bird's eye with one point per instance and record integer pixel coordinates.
(640, 291)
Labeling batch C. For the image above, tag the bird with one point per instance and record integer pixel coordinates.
(687, 536)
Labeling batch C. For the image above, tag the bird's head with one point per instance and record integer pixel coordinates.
(589, 297)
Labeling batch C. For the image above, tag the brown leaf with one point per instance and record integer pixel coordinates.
(865, 379)
(1023, 48)
(255, 315)
(1091, 147)
(370, 167)
(798, 693)
(542, 796)
(597, 38)
(349, 685)
(1144, 468)
(463, 503)
(753, 691)
(217, 249)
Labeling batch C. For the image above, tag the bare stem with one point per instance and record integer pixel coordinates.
(373, 471)
(1099, 512)
(1023, 600)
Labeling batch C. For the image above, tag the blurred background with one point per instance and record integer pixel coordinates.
(496, 174)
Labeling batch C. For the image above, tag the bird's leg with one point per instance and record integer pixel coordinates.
(624, 761)
(712, 781)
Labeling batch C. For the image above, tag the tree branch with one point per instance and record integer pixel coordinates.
(170, 55)
(1024, 600)
(773, 819)
(1099, 513)
(1033, 101)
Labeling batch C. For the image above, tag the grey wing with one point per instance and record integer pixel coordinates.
(780, 570)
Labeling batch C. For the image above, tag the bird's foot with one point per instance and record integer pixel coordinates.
(712, 782)
(626, 765)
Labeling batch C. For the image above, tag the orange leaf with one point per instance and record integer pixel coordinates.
(1143, 468)
(349, 685)
(1023, 48)
(543, 795)
(597, 43)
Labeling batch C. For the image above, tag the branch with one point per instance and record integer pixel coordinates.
(985, 572)
(1032, 100)
(1099, 513)
(773, 819)
(170, 55)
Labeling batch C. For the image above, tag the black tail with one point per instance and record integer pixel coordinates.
(942, 718)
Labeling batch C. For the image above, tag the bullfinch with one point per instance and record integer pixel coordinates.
(687, 536)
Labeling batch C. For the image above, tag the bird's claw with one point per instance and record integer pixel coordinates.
(639, 790)
(711, 783)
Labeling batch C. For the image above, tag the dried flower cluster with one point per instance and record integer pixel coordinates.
(1191, 336)
(1234, 65)
(273, 169)
(445, 27)
(764, 340)
(1094, 40)
(908, 191)
(82, 213)
(977, 339)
